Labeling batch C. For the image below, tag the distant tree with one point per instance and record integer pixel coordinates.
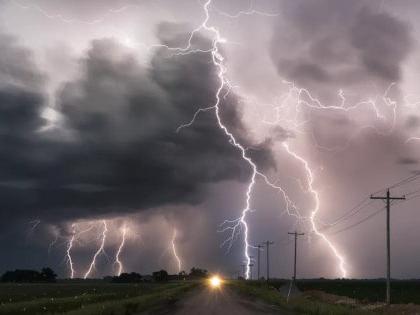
(21, 276)
(160, 276)
(48, 275)
(198, 273)
(8, 276)
(127, 278)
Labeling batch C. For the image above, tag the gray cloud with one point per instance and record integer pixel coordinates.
(124, 153)
(333, 44)
(407, 161)
(412, 122)
(17, 68)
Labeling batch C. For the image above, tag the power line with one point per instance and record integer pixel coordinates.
(362, 220)
(353, 211)
(347, 216)
(361, 206)
(413, 197)
(404, 181)
(359, 222)
(413, 192)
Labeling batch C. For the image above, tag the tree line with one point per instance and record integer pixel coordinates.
(48, 275)
(23, 275)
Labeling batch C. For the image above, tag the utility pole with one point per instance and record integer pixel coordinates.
(267, 244)
(243, 270)
(388, 199)
(258, 247)
(250, 268)
(296, 234)
(250, 265)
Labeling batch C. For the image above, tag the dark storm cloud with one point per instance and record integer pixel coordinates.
(281, 134)
(407, 161)
(16, 65)
(412, 122)
(332, 44)
(121, 152)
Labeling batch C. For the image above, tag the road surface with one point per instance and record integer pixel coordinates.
(209, 301)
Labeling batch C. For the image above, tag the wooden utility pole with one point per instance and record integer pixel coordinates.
(296, 234)
(388, 199)
(250, 270)
(258, 247)
(243, 270)
(267, 244)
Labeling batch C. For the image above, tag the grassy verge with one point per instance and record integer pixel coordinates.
(300, 305)
(104, 304)
(367, 291)
(150, 302)
(20, 292)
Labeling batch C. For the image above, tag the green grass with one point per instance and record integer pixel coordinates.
(402, 291)
(302, 305)
(25, 292)
(88, 298)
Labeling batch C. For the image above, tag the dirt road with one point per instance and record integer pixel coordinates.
(208, 301)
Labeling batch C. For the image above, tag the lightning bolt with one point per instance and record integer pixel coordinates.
(66, 20)
(315, 210)
(99, 251)
(249, 11)
(69, 247)
(240, 224)
(52, 243)
(34, 224)
(120, 248)
(70, 244)
(178, 260)
(218, 62)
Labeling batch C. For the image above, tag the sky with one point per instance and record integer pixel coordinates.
(146, 134)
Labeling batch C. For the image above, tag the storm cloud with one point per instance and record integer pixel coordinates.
(339, 44)
(117, 149)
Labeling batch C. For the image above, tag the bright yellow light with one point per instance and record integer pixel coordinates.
(215, 281)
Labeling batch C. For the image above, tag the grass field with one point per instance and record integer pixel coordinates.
(406, 294)
(262, 292)
(402, 291)
(89, 298)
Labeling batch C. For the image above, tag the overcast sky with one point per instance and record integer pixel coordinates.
(321, 95)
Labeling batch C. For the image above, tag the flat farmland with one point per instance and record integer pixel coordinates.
(92, 297)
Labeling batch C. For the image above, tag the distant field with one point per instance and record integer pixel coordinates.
(310, 303)
(402, 291)
(88, 298)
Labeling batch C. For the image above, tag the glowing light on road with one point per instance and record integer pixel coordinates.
(215, 282)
